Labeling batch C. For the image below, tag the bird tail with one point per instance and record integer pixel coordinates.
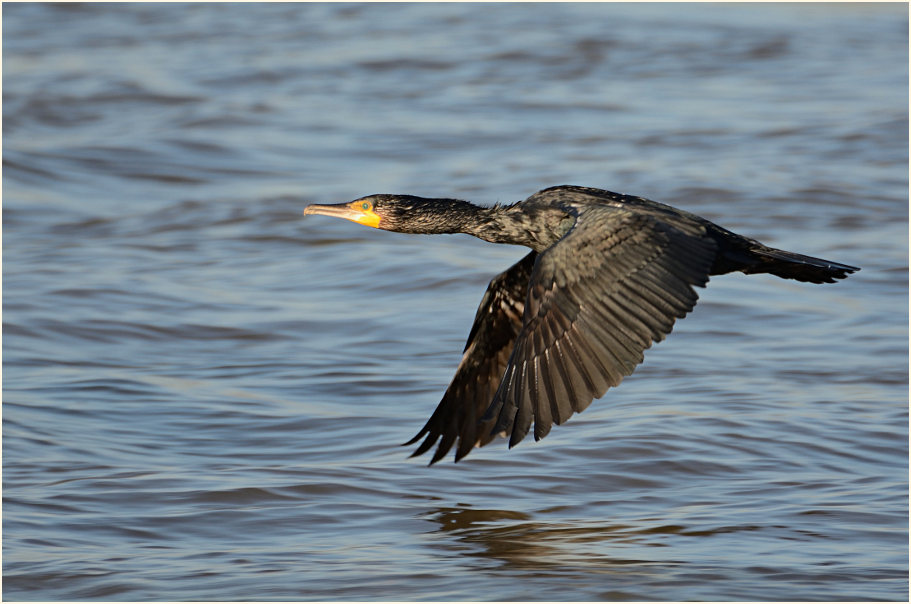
(789, 265)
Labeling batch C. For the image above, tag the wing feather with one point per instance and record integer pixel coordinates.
(457, 418)
(597, 300)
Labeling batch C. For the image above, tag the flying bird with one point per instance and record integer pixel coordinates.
(608, 275)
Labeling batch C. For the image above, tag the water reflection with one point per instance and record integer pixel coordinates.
(525, 543)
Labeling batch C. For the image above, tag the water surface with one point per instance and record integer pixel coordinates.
(204, 392)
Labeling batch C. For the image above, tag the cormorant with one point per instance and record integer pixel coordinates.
(607, 275)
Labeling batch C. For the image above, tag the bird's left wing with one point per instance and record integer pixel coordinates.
(496, 325)
(597, 299)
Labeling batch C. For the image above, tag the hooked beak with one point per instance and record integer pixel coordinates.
(349, 211)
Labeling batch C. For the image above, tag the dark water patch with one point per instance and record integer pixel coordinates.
(106, 331)
(405, 64)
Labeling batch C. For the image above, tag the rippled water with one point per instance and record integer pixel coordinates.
(204, 392)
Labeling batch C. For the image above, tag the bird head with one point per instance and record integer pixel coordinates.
(366, 210)
(401, 213)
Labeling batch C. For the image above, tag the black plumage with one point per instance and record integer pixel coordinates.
(608, 275)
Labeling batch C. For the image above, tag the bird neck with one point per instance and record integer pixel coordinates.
(518, 224)
(495, 224)
(426, 216)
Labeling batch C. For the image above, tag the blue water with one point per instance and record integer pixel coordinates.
(204, 391)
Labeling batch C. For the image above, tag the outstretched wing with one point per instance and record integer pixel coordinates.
(496, 325)
(597, 299)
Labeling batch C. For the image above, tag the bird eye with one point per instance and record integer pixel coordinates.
(365, 205)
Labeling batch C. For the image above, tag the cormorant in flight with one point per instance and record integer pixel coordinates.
(607, 275)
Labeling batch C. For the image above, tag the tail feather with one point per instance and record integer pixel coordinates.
(789, 265)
